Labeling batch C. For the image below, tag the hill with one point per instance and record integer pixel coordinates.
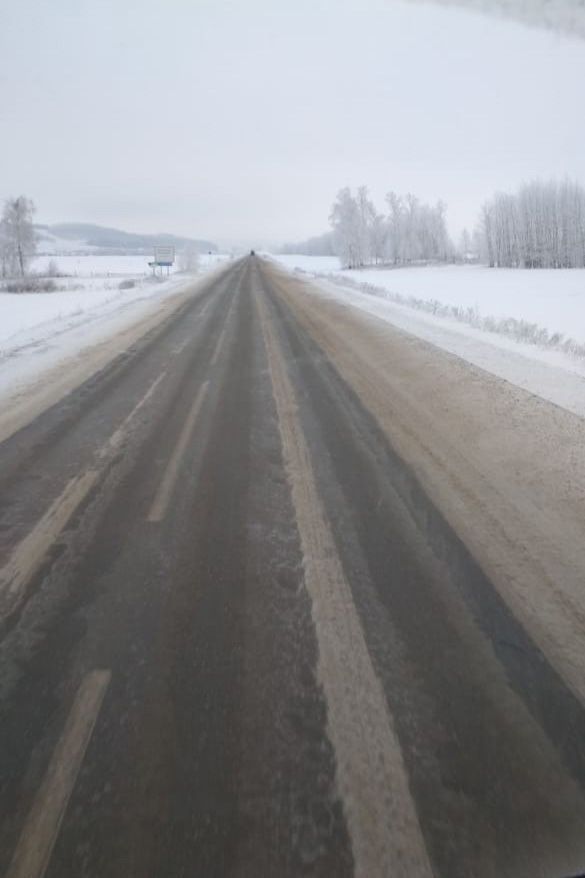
(85, 237)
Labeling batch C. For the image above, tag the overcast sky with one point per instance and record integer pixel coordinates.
(239, 121)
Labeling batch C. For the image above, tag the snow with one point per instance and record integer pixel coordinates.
(40, 330)
(50, 243)
(95, 265)
(552, 299)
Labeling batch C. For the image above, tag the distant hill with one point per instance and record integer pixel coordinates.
(84, 237)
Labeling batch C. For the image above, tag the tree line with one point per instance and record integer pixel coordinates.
(542, 225)
(410, 231)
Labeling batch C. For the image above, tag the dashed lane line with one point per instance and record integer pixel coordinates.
(163, 495)
(41, 828)
(29, 555)
(222, 333)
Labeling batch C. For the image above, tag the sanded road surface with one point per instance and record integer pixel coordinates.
(284, 592)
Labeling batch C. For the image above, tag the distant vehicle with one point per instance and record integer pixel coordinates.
(252, 253)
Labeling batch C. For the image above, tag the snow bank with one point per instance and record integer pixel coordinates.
(465, 311)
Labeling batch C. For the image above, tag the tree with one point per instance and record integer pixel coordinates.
(366, 219)
(394, 242)
(379, 235)
(464, 245)
(17, 235)
(412, 232)
(345, 220)
(541, 226)
(189, 258)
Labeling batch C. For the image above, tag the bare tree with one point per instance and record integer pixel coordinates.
(189, 259)
(4, 252)
(345, 220)
(17, 235)
(541, 226)
(412, 232)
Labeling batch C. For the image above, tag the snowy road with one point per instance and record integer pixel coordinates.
(286, 591)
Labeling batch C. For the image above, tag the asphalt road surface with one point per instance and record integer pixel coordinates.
(247, 629)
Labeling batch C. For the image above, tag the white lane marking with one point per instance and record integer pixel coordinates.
(381, 815)
(218, 346)
(29, 554)
(180, 348)
(222, 333)
(119, 435)
(42, 825)
(169, 480)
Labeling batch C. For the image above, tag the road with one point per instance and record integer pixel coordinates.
(266, 610)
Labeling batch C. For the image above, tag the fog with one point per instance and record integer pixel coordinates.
(240, 121)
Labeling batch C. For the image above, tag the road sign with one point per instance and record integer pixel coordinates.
(164, 255)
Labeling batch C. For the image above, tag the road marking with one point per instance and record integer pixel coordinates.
(218, 346)
(29, 555)
(119, 435)
(169, 480)
(42, 825)
(222, 333)
(381, 816)
(180, 348)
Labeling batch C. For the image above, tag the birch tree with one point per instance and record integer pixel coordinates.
(412, 231)
(541, 226)
(17, 235)
(344, 219)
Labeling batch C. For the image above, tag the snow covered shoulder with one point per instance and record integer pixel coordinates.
(527, 327)
(49, 341)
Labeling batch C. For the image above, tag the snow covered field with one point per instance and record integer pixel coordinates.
(513, 323)
(554, 300)
(40, 330)
(95, 265)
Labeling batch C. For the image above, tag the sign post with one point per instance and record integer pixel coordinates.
(164, 257)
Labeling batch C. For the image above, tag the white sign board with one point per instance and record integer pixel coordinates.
(164, 255)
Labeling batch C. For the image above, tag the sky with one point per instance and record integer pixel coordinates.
(240, 121)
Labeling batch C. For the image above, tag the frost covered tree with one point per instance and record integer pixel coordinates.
(394, 243)
(344, 219)
(17, 235)
(412, 231)
(189, 258)
(464, 246)
(366, 218)
(416, 232)
(541, 226)
(378, 238)
(469, 246)
(4, 252)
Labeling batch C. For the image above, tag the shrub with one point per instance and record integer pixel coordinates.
(31, 285)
